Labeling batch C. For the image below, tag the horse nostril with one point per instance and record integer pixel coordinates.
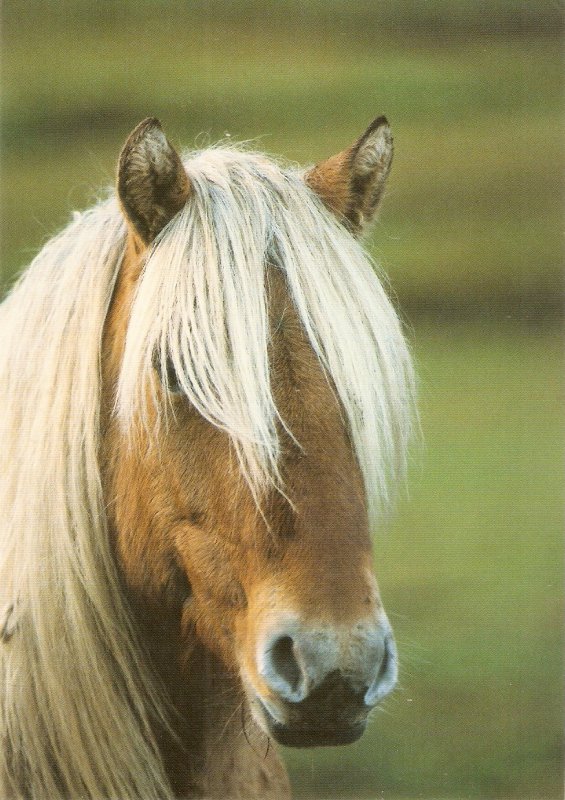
(298, 662)
(387, 675)
(282, 670)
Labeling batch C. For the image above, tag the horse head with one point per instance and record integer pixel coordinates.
(238, 466)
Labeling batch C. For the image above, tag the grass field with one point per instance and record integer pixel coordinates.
(471, 237)
(473, 212)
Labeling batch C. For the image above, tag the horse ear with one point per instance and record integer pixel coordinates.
(152, 183)
(352, 183)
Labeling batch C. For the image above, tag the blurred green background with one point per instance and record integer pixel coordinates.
(471, 236)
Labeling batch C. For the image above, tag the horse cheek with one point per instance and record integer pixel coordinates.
(218, 597)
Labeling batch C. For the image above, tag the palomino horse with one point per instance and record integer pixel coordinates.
(206, 399)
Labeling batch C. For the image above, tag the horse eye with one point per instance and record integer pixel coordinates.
(167, 375)
(178, 590)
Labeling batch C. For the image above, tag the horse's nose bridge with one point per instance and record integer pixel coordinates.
(295, 657)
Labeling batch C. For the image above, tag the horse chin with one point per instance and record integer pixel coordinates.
(307, 732)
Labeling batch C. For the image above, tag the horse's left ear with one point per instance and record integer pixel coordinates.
(152, 182)
(352, 183)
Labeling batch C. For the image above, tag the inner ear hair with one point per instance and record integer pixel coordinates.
(370, 167)
(152, 182)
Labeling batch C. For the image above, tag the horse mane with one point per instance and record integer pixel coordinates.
(202, 306)
(76, 697)
(78, 701)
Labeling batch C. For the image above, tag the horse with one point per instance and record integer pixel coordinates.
(207, 400)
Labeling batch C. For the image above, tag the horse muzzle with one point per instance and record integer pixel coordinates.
(316, 686)
(333, 714)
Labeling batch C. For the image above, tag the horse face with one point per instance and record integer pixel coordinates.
(281, 590)
(285, 595)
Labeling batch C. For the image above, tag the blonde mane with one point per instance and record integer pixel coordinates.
(78, 701)
(202, 305)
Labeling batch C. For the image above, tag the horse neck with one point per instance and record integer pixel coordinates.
(218, 751)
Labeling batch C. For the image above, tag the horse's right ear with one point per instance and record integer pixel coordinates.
(152, 183)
